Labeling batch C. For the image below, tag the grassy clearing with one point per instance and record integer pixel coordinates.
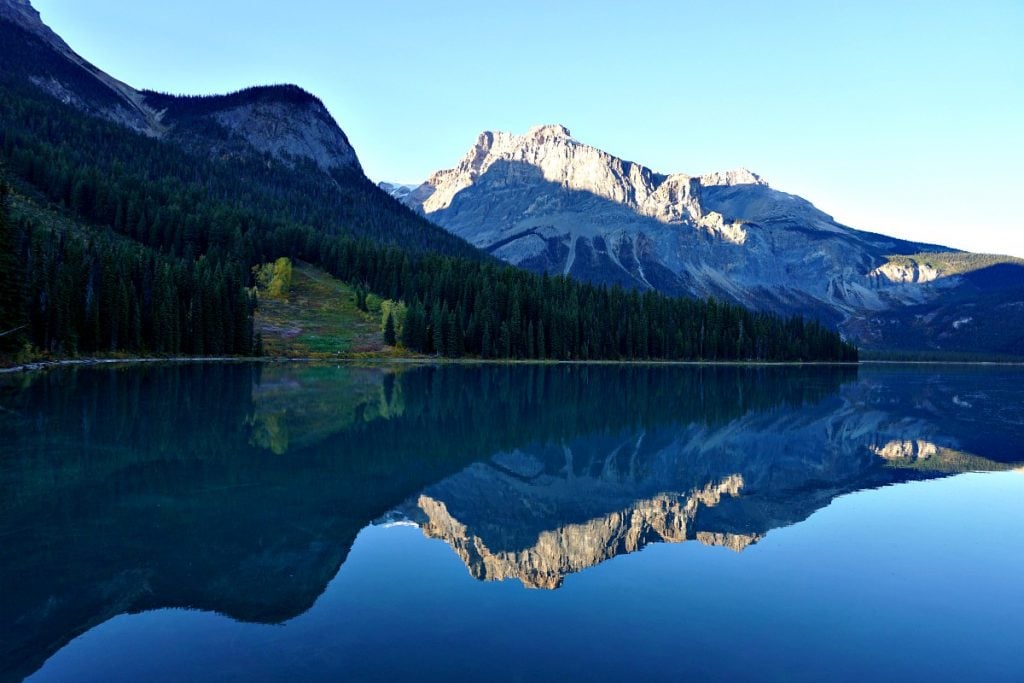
(318, 318)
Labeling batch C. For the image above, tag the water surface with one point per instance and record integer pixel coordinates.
(251, 522)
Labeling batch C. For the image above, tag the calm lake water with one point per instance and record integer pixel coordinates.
(294, 522)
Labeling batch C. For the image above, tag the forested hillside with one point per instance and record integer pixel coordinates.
(72, 292)
(126, 242)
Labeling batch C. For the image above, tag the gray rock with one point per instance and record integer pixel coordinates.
(289, 131)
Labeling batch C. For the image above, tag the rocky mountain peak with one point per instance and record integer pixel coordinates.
(554, 130)
(545, 201)
(547, 154)
(547, 160)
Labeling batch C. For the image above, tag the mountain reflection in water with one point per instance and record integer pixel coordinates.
(240, 488)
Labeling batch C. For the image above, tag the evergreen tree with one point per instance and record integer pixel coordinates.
(389, 331)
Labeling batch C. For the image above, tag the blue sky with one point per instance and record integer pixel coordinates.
(899, 117)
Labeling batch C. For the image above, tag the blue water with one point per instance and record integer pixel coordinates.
(370, 524)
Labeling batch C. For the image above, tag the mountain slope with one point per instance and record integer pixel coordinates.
(278, 140)
(549, 203)
(31, 48)
(282, 121)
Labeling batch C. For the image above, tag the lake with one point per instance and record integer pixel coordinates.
(248, 522)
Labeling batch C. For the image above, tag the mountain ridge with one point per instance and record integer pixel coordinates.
(284, 121)
(65, 77)
(549, 203)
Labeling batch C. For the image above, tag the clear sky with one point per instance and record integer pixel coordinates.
(900, 117)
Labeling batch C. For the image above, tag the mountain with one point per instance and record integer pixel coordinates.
(550, 203)
(283, 121)
(190, 194)
(280, 133)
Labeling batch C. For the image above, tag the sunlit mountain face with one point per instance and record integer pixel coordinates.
(239, 489)
(550, 203)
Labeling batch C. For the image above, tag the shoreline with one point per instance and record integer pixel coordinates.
(90, 362)
(428, 360)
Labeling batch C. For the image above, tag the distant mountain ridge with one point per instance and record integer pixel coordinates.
(550, 203)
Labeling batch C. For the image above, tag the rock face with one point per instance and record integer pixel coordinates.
(284, 122)
(901, 273)
(549, 203)
(278, 129)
